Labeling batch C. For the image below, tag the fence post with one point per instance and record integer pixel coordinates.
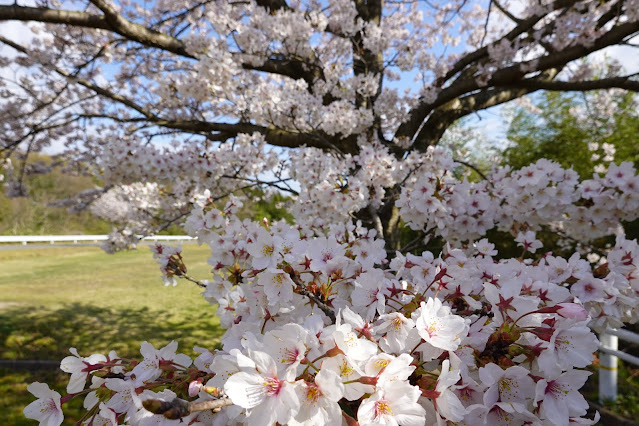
(608, 368)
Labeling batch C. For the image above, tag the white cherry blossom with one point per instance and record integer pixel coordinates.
(268, 397)
(394, 404)
(438, 326)
(46, 409)
(79, 368)
(559, 399)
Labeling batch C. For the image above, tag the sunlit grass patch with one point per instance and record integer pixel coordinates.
(56, 298)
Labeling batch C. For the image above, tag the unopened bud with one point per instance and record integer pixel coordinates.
(173, 410)
(155, 406)
(368, 380)
(334, 352)
(572, 311)
(212, 390)
(173, 413)
(194, 387)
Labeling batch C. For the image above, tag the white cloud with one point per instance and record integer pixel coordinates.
(492, 124)
(18, 32)
(627, 56)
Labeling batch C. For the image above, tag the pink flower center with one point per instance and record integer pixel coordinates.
(397, 323)
(326, 256)
(272, 385)
(553, 388)
(290, 356)
(433, 328)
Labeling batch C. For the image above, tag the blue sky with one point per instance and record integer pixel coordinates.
(491, 123)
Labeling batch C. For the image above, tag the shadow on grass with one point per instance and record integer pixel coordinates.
(47, 334)
(41, 333)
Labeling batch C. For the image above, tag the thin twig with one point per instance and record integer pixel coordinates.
(486, 24)
(209, 405)
(471, 166)
(320, 303)
(193, 280)
(179, 408)
(505, 11)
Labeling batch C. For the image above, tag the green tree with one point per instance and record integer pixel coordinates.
(260, 206)
(560, 126)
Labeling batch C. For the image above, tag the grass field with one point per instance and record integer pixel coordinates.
(55, 298)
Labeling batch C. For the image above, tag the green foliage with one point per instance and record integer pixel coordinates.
(557, 134)
(627, 403)
(259, 207)
(33, 215)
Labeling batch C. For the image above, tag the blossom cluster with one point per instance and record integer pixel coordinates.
(323, 327)
(434, 196)
(539, 194)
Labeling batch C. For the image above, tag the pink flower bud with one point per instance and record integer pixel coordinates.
(194, 387)
(572, 311)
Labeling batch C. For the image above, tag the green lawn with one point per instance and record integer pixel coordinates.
(55, 298)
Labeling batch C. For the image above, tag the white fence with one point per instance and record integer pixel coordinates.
(610, 353)
(75, 239)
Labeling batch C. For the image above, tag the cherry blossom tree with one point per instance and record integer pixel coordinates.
(180, 105)
(219, 83)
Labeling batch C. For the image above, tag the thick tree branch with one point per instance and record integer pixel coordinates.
(273, 5)
(520, 29)
(510, 76)
(111, 21)
(604, 83)
(224, 131)
(272, 135)
(365, 61)
(53, 16)
(443, 117)
(139, 33)
(614, 36)
(295, 68)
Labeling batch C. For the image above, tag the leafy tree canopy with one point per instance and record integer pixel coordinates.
(572, 129)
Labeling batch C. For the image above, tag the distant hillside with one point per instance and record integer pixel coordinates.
(32, 215)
